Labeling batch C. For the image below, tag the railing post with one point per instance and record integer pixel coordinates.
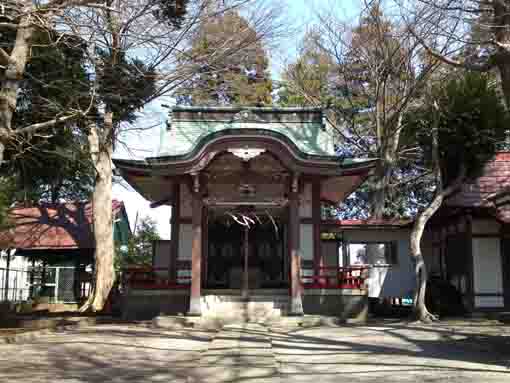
(57, 272)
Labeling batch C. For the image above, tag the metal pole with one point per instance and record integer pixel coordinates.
(245, 292)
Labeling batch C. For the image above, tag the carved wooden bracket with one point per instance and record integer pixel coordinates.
(295, 183)
(196, 182)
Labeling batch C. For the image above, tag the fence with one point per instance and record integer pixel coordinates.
(53, 284)
(14, 285)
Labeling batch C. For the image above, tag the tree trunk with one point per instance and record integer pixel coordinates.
(378, 200)
(383, 175)
(14, 72)
(420, 310)
(104, 275)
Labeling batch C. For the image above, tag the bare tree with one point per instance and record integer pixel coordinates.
(378, 71)
(469, 34)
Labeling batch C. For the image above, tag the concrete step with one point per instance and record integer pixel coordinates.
(232, 308)
(244, 314)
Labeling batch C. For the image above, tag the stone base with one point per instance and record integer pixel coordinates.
(195, 307)
(148, 304)
(345, 305)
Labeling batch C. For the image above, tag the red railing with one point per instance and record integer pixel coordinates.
(351, 277)
(154, 278)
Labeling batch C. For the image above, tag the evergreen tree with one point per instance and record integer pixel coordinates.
(237, 74)
(310, 80)
(52, 164)
(458, 126)
(139, 251)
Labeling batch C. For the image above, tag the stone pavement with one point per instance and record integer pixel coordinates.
(239, 353)
(383, 352)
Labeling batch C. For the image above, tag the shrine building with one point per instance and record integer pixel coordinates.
(251, 190)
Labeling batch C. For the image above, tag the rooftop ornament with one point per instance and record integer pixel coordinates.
(246, 153)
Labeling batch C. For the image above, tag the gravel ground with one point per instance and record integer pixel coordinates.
(459, 351)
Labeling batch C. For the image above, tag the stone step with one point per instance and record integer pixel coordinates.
(245, 306)
(243, 314)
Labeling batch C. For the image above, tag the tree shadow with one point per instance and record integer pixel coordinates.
(50, 226)
(131, 353)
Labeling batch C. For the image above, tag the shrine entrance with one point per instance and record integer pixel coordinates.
(247, 255)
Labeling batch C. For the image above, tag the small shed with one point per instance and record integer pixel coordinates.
(57, 242)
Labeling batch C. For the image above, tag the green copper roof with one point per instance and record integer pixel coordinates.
(192, 127)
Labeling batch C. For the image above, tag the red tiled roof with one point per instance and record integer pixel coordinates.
(495, 178)
(52, 226)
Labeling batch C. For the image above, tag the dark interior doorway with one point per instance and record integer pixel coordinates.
(266, 262)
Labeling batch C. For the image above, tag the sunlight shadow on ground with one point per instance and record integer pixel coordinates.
(395, 352)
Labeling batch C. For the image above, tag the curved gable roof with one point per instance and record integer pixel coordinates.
(191, 126)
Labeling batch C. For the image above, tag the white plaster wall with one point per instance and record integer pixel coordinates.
(186, 203)
(388, 281)
(185, 241)
(305, 202)
(487, 272)
(485, 226)
(306, 241)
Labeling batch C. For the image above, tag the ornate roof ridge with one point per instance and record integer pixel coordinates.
(228, 108)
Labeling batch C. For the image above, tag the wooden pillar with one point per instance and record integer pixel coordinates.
(195, 308)
(318, 260)
(205, 246)
(174, 245)
(296, 305)
(246, 247)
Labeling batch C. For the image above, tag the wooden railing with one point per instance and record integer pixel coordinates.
(350, 277)
(155, 278)
(151, 278)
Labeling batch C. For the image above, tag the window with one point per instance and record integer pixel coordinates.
(371, 253)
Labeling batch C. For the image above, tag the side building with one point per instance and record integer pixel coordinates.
(468, 240)
(50, 250)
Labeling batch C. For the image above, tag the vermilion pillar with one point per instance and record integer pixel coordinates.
(196, 250)
(318, 261)
(174, 245)
(296, 304)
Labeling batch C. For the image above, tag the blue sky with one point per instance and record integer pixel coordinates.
(299, 14)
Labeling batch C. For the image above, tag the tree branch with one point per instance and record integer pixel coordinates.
(484, 67)
(41, 125)
(4, 57)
